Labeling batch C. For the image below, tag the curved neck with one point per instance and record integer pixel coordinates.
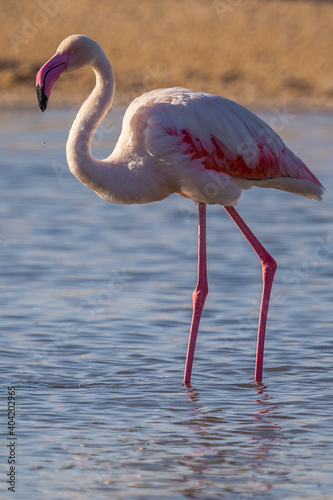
(79, 158)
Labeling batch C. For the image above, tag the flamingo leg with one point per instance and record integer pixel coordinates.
(200, 293)
(268, 271)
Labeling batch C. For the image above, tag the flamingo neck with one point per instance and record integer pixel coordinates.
(80, 160)
(115, 178)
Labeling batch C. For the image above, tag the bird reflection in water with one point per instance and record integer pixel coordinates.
(231, 445)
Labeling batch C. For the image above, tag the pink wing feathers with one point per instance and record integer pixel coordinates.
(183, 127)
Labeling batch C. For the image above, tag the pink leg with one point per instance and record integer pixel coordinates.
(268, 270)
(199, 294)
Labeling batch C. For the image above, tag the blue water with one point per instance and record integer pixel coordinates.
(96, 307)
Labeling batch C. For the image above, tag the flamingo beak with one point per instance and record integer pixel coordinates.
(48, 75)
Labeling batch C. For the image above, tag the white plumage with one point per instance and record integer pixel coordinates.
(154, 122)
(199, 145)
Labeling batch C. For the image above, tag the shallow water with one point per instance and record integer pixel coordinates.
(96, 306)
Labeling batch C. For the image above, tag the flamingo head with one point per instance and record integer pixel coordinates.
(75, 52)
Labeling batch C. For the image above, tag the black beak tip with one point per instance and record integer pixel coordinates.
(42, 98)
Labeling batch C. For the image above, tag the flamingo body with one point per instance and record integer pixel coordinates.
(176, 140)
(209, 148)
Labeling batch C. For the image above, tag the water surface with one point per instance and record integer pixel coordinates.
(96, 306)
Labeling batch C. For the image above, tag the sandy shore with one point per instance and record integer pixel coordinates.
(261, 53)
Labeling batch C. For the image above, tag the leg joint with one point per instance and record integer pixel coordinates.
(269, 263)
(200, 293)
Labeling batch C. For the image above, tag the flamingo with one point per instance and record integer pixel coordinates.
(175, 140)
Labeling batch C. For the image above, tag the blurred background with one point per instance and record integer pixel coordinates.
(96, 297)
(260, 53)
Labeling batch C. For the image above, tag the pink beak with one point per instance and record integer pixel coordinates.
(48, 75)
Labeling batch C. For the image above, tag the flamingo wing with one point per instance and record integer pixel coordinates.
(204, 132)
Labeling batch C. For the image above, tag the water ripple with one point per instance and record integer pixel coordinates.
(96, 306)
